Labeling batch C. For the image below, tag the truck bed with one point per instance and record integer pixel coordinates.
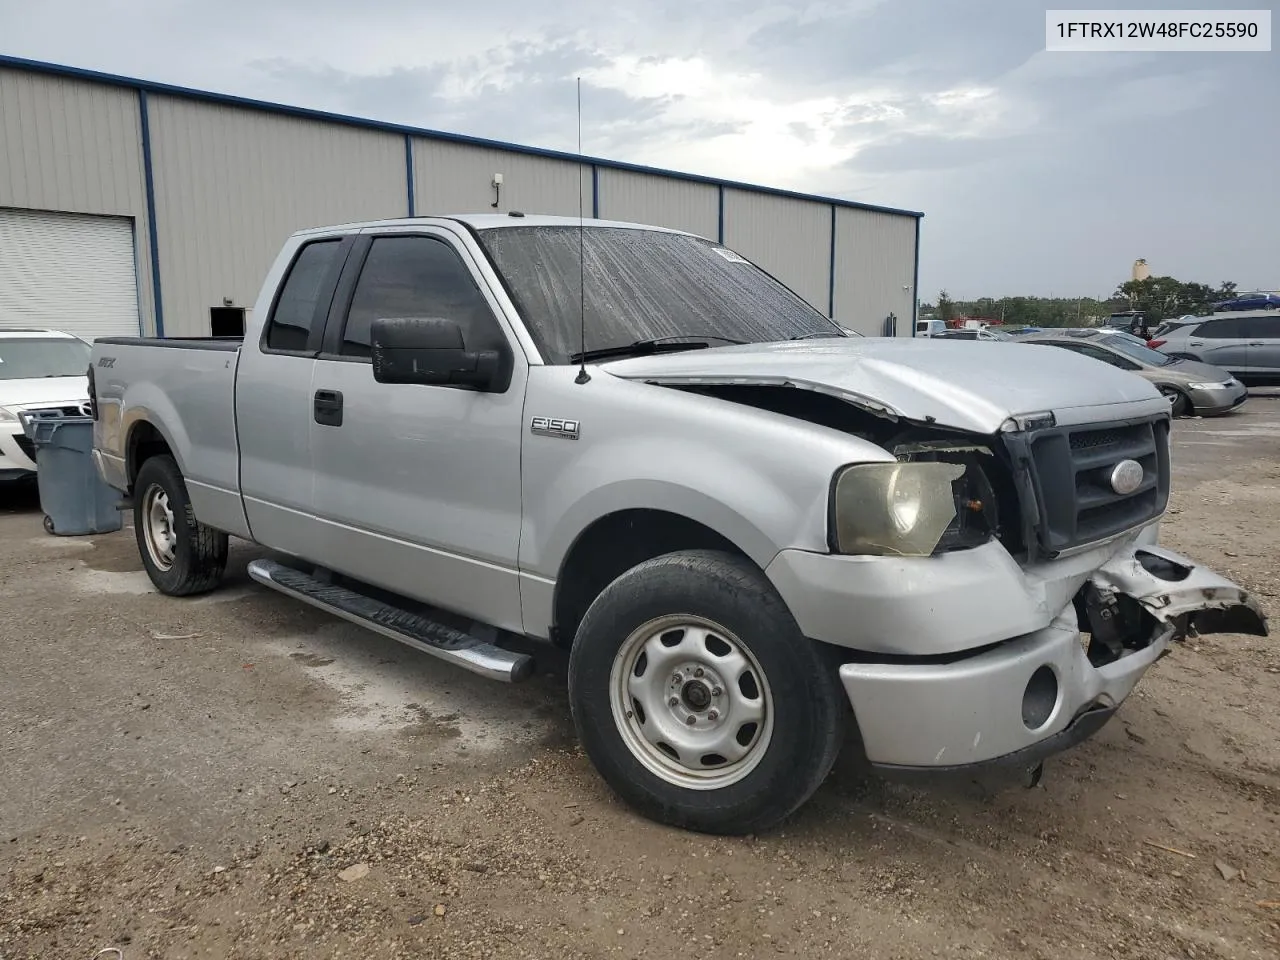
(184, 343)
(184, 390)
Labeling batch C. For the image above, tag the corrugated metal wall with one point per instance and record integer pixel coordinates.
(458, 178)
(76, 147)
(789, 238)
(231, 184)
(875, 264)
(661, 201)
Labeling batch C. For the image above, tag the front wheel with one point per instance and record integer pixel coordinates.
(182, 556)
(1180, 404)
(699, 700)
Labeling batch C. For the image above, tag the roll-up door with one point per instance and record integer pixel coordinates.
(69, 272)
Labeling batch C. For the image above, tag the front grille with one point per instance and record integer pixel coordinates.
(1071, 474)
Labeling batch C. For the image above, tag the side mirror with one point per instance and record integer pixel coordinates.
(430, 350)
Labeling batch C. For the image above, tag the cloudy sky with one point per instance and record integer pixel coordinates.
(1039, 173)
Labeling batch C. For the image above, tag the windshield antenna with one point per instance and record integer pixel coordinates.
(582, 376)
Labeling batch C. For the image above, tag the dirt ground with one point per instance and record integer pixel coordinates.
(241, 776)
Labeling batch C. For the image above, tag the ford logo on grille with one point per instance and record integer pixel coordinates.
(1126, 477)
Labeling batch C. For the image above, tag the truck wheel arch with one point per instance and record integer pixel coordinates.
(145, 440)
(613, 544)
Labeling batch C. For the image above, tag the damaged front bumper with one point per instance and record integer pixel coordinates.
(1016, 702)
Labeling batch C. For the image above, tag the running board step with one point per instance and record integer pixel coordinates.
(411, 629)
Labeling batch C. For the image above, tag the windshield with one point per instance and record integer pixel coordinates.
(1138, 351)
(28, 358)
(640, 285)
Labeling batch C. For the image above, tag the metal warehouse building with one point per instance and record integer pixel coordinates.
(130, 206)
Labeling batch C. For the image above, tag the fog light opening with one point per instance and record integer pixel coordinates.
(1040, 698)
(1161, 567)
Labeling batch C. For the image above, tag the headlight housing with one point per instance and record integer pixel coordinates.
(7, 415)
(1210, 386)
(940, 494)
(893, 509)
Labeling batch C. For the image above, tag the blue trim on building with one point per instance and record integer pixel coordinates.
(153, 235)
(408, 171)
(595, 192)
(915, 283)
(720, 217)
(148, 86)
(831, 278)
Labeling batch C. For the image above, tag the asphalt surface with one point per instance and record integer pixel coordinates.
(149, 741)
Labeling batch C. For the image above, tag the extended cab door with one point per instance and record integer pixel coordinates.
(418, 487)
(273, 393)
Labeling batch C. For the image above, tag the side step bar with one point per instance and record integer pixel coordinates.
(411, 629)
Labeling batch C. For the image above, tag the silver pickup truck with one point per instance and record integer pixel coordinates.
(756, 533)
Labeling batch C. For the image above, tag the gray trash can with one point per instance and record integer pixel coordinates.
(75, 500)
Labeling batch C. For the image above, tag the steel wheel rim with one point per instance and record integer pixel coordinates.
(679, 667)
(158, 528)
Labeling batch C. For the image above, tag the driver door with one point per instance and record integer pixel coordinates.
(417, 488)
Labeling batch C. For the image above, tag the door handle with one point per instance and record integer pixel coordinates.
(327, 407)
(1195, 343)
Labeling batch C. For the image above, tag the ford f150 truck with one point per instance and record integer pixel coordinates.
(748, 526)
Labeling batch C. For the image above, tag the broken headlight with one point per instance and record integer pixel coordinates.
(936, 497)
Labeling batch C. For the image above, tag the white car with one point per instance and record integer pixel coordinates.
(39, 370)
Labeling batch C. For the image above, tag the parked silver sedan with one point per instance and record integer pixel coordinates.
(1193, 388)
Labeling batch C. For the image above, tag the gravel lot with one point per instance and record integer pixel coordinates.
(242, 776)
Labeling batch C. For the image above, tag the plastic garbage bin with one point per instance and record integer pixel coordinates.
(75, 500)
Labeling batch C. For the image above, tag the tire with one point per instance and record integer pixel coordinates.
(1181, 406)
(687, 609)
(48, 524)
(182, 556)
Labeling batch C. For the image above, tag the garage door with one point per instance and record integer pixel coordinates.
(68, 271)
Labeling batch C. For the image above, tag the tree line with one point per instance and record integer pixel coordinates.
(1158, 297)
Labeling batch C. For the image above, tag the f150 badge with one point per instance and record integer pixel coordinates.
(554, 427)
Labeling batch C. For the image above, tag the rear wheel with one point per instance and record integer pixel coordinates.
(699, 700)
(182, 556)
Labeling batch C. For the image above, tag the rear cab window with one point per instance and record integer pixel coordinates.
(300, 307)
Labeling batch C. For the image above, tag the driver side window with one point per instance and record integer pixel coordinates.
(417, 276)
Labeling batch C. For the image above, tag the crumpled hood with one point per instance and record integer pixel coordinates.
(40, 391)
(967, 385)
